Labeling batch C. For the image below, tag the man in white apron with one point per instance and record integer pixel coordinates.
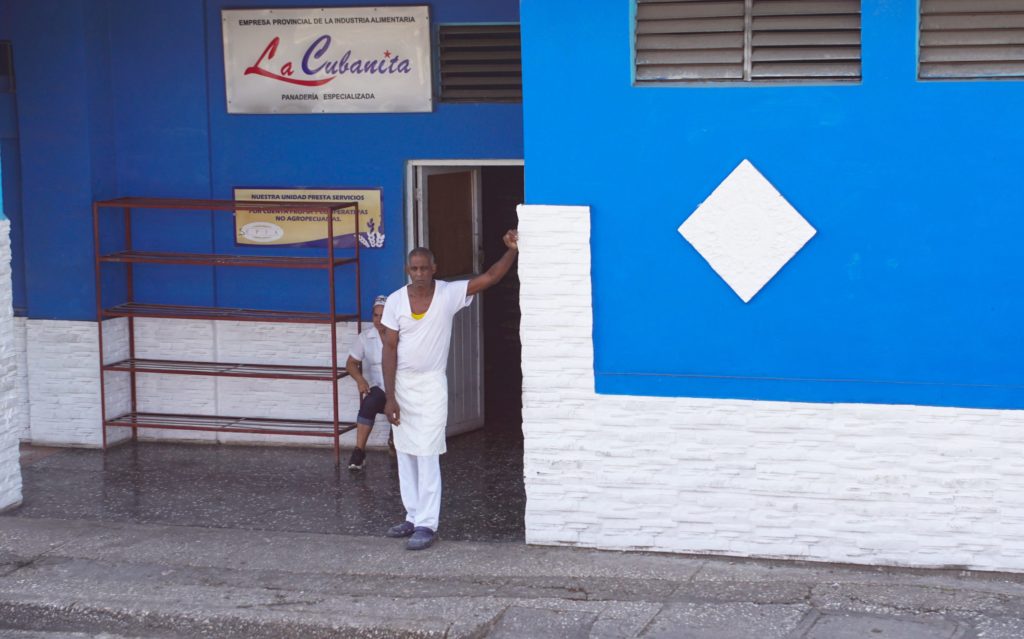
(417, 335)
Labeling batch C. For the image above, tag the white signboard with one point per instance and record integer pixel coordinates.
(337, 60)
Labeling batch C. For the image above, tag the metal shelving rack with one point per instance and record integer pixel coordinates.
(131, 309)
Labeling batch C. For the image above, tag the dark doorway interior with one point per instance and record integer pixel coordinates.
(503, 376)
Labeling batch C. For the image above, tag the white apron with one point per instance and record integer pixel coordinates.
(423, 412)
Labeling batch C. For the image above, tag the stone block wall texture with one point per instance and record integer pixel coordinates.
(868, 484)
(63, 379)
(10, 469)
(21, 413)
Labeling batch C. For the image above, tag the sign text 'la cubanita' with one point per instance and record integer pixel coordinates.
(327, 60)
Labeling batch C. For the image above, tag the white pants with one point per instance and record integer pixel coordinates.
(419, 480)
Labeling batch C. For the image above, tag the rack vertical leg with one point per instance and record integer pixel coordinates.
(130, 281)
(334, 334)
(99, 319)
(359, 289)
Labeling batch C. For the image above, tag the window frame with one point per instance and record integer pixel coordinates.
(748, 62)
(965, 77)
(439, 93)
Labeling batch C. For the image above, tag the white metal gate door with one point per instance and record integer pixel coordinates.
(454, 226)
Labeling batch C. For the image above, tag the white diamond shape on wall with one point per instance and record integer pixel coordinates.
(746, 230)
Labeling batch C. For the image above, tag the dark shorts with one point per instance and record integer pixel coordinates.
(371, 405)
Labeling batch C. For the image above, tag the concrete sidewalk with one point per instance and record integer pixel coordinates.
(73, 578)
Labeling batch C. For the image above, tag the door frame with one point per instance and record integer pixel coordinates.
(416, 171)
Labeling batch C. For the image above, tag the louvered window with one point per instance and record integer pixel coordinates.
(971, 39)
(480, 63)
(679, 41)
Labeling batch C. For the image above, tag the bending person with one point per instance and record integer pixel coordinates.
(364, 366)
(417, 335)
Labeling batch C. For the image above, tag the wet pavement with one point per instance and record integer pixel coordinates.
(113, 579)
(275, 488)
(177, 540)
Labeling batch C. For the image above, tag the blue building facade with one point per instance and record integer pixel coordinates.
(905, 294)
(864, 405)
(118, 98)
(902, 297)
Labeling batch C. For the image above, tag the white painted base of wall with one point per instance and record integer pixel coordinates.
(867, 484)
(63, 379)
(10, 468)
(21, 413)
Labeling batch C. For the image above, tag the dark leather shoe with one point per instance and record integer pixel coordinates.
(403, 529)
(422, 537)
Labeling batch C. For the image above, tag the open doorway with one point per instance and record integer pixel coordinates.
(460, 209)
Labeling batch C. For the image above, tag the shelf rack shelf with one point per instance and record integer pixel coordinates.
(223, 424)
(172, 311)
(216, 259)
(222, 369)
(132, 309)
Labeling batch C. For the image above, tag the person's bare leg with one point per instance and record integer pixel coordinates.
(362, 434)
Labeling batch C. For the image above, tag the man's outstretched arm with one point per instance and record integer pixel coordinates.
(389, 364)
(498, 270)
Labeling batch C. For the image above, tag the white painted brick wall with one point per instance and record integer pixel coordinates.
(868, 484)
(247, 342)
(63, 381)
(21, 410)
(63, 356)
(10, 469)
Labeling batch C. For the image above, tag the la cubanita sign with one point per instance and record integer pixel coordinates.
(328, 60)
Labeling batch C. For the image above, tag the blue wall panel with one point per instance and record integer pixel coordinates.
(163, 141)
(360, 150)
(140, 110)
(907, 294)
(57, 46)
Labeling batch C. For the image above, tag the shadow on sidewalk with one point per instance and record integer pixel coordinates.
(275, 488)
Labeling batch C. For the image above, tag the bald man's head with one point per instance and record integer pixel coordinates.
(420, 250)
